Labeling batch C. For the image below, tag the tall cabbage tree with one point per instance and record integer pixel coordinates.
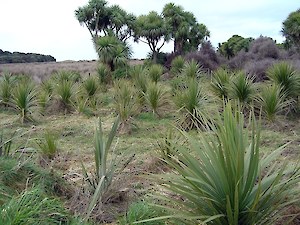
(186, 32)
(152, 30)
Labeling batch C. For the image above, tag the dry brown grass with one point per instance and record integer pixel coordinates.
(41, 71)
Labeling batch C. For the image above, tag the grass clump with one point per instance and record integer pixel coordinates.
(220, 83)
(242, 89)
(191, 102)
(156, 97)
(24, 100)
(272, 102)
(285, 77)
(155, 72)
(90, 86)
(139, 211)
(125, 102)
(7, 82)
(65, 91)
(33, 207)
(47, 146)
(177, 65)
(191, 69)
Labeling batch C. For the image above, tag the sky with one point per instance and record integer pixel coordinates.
(50, 27)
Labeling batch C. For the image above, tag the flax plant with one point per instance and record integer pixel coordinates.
(24, 100)
(272, 102)
(221, 178)
(107, 165)
(156, 97)
(220, 83)
(125, 102)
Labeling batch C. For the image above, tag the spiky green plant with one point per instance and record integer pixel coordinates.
(191, 69)
(220, 82)
(65, 91)
(33, 207)
(286, 77)
(272, 102)
(43, 99)
(191, 103)
(138, 74)
(104, 73)
(47, 86)
(24, 100)
(155, 71)
(90, 86)
(7, 82)
(47, 145)
(177, 65)
(221, 178)
(125, 102)
(156, 97)
(107, 165)
(242, 88)
(140, 81)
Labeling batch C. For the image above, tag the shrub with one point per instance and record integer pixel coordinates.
(284, 75)
(155, 72)
(24, 100)
(264, 47)
(221, 179)
(258, 69)
(206, 57)
(177, 65)
(156, 97)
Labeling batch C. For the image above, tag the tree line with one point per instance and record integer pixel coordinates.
(111, 26)
(20, 57)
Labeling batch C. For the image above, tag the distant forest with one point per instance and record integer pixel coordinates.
(20, 57)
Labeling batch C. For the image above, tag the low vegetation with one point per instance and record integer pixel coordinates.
(204, 137)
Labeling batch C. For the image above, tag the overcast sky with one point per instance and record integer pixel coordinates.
(50, 27)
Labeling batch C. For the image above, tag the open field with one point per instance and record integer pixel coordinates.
(74, 132)
(41, 71)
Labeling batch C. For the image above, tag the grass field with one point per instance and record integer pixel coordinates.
(74, 133)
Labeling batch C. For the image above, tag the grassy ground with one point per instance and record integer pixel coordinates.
(75, 135)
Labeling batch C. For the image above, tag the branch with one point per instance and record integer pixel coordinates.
(161, 46)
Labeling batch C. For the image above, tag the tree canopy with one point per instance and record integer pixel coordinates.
(186, 32)
(154, 30)
(234, 45)
(291, 29)
(20, 57)
(101, 19)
